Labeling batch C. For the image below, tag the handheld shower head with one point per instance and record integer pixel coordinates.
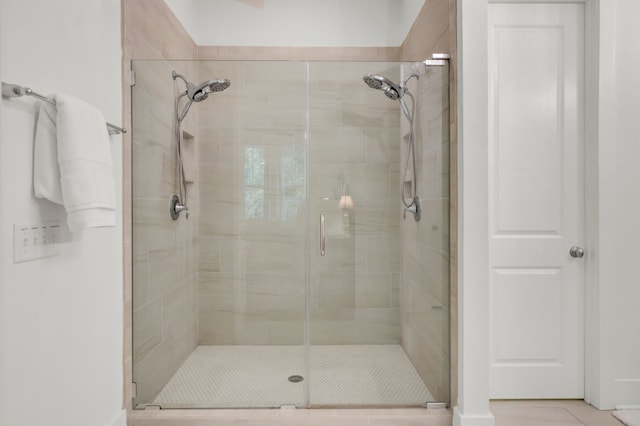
(396, 92)
(200, 92)
(390, 89)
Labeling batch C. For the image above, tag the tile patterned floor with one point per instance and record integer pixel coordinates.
(550, 413)
(507, 413)
(256, 376)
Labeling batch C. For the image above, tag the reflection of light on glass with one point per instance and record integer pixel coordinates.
(254, 172)
(344, 193)
(292, 164)
(346, 202)
(274, 181)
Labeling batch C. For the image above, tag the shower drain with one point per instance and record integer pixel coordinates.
(295, 378)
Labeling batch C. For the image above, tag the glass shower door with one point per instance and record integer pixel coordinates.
(253, 211)
(219, 297)
(295, 280)
(371, 295)
(354, 145)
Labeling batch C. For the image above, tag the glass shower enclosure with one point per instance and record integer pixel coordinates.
(294, 280)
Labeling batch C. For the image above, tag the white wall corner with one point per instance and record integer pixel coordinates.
(121, 419)
(473, 271)
(592, 210)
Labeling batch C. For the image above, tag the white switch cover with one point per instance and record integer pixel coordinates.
(35, 241)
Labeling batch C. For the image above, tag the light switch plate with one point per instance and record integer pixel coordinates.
(36, 241)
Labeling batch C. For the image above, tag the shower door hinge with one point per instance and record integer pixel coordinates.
(436, 405)
(152, 407)
(440, 56)
(438, 60)
(132, 78)
(134, 390)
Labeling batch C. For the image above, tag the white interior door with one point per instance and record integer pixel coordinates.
(536, 97)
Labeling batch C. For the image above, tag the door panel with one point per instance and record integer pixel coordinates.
(536, 200)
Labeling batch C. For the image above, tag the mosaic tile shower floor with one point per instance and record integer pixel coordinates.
(257, 376)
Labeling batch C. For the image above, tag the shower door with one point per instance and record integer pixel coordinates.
(294, 281)
(378, 286)
(354, 157)
(219, 295)
(252, 241)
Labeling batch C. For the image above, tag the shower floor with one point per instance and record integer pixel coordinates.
(257, 376)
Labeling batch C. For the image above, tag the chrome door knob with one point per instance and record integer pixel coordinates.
(576, 251)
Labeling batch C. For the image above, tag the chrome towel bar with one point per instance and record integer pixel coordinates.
(13, 91)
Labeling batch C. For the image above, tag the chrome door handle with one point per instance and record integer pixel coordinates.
(322, 240)
(576, 251)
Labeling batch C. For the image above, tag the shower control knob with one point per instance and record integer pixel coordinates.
(414, 208)
(576, 251)
(176, 207)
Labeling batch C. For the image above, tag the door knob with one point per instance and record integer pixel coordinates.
(576, 251)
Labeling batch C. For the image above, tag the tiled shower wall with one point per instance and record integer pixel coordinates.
(424, 295)
(252, 211)
(253, 216)
(354, 151)
(152, 32)
(165, 322)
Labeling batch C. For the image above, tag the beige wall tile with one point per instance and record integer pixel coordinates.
(209, 144)
(383, 145)
(154, 79)
(222, 182)
(163, 271)
(148, 176)
(141, 278)
(209, 254)
(237, 109)
(162, 247)
(325, 332)
(153, 372)
(333, 145)
(430, 32)
(373, 290)
(383, 254)
(147, 328)
(424, 291)
(250, 53)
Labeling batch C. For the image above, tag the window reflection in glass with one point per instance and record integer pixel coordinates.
(254, 182)
(274, 182)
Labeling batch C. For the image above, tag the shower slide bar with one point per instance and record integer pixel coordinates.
(13, 91)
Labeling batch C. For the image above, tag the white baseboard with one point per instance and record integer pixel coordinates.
(460, 419)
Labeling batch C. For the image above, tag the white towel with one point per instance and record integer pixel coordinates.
(46, 172)
(80, 176)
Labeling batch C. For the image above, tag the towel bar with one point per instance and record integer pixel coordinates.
(14, 91)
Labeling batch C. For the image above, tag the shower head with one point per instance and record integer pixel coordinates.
(391, 90)
(200, 92)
